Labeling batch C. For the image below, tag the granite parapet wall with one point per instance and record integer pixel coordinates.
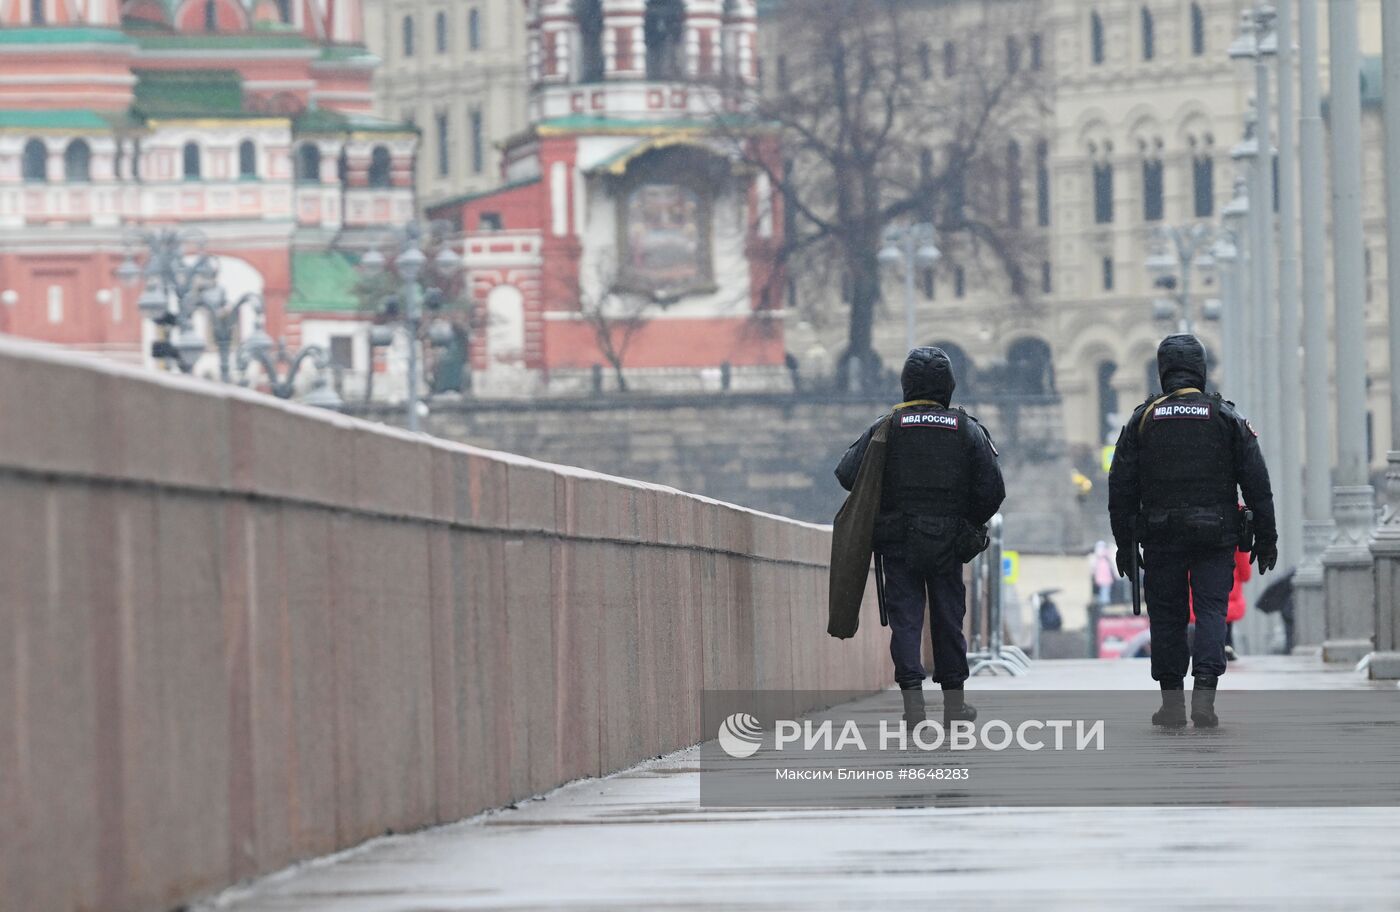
(240, 632)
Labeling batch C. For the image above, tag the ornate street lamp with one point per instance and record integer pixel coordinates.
(910, 247)
(282, 366)
(177, 268)
(1180, 252)
(403, 311)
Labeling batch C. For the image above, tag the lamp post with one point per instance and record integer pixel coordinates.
(404, 310)
(1233, 255)
(1235, 219)
(178, 268)
(1257, 42)
(1288, 487)
(282, 366)
(1226, 254)
(1347, 562)
(1385, 540)
(910, 247)
(223, 318)
(1317, 400)
(1181, 250)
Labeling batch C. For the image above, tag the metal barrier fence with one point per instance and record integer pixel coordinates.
(988, 650)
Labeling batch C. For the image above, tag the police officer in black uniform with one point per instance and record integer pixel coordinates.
(1180, 465)
(941, 486)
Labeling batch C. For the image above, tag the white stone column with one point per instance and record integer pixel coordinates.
(1347, 563)
(1385, 540)
(1287, 468)
(1317, 401)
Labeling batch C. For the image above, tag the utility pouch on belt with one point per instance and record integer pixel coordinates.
(1246, 530)
(972, 541)
(930, 542)
(1203, 527)
(1155, 527)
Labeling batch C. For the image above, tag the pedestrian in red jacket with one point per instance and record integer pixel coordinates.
(1235, 609)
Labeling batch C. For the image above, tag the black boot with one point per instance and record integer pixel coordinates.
(1173, 711)
(955, 708)
(1203, 702)
(914, 711)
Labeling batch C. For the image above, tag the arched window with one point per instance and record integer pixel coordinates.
(211, 15)
(1203, 184)
(1042, 183)
(1013, 184)
(37, 14)
(664, 30)
(474, 30)
(1013, 55)
(1096, 37)
(380, 168)
(950, 60)
(192, 161)
(1108, 402)
(1103, 193)
(284, 11)
(407, 36)
(247, 159)
(1198, 30)
(590, 27)
(308, 164)
(36, 161)
(1037, 52)
(1149, 35)
(1152, 190)
(925, 61)
(77, 161)
(440, 31)
(1030, 370)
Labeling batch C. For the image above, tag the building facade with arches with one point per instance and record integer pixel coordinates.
(249, 120)
(1143, 109)
(631, 229)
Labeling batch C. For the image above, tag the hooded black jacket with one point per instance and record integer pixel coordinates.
(1181, 364)
(928, 374)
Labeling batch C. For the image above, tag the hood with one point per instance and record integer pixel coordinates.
(928, 374)
(1181, 362)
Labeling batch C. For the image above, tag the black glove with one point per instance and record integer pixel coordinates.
(1125, 562)
(1264, 556)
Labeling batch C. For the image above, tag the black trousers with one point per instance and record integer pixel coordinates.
(1174, 580)
(907, 591)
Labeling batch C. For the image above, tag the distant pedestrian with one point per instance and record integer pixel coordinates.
(1103, 572)
(1235, 611)
(1277, 598)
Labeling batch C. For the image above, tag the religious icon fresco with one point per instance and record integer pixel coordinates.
(664, 236)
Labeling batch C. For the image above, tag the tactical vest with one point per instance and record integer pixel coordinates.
(1186, 454)
(926, 462)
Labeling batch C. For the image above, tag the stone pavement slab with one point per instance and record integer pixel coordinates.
(639, 840)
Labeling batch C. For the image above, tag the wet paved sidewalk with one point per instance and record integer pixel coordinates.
(639, 840)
